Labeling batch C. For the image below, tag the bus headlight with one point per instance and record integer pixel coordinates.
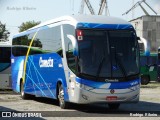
(135, 87)
(85, 87)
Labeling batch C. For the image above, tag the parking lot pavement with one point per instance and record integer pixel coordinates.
(149, 105)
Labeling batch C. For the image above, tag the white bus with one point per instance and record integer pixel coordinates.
(5, 65)
(78, 59)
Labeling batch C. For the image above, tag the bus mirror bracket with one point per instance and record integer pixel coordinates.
(74, 43)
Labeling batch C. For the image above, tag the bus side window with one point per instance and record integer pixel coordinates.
(71, 58)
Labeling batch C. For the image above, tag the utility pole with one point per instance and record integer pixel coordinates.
(89, 6)
(139, 3)
(103, 7)
(107, 9)
(82, 7)
(103, 4)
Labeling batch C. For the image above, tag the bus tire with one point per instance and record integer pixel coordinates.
(145, 79)
(113, 106)
(23, 94)
(62, 103)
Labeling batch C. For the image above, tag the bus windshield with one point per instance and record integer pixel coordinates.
(5, 53)
(108, 54)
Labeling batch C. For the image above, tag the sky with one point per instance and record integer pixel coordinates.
(14, 12)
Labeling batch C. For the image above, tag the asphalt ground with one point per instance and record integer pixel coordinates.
(45, 108)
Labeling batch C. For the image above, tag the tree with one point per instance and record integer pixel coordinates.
(4, 34)
(26, 25)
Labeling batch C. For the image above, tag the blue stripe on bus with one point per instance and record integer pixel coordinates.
(106, 26)
(111, 85)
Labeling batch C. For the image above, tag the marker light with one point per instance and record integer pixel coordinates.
(79, 34)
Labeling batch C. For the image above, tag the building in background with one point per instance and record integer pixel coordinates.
(148, 27)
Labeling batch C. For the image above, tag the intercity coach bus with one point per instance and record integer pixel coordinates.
(78, 59)
(5, 65)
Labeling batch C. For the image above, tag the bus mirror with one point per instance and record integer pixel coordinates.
(74, 44)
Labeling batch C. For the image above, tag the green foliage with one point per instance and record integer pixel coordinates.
(4, 34)
(26, 25)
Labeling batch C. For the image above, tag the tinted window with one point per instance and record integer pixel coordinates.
(153, 60)
(5, 54)
(49, 40)
(143, 60)
(46, 41)
(108, 53)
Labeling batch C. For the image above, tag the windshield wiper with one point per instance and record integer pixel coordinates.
(100, 67)
(121, 66)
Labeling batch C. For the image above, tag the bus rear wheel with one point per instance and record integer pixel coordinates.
(145, 79)
(113, 106)
(23, 94)
(62, 103)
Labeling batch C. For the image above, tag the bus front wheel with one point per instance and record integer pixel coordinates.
(62, 103)
(113, 106)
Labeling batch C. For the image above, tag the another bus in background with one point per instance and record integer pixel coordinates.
(148, 62)
(148, 68)
(5, 65)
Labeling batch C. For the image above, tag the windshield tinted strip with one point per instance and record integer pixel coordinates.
(104, 26)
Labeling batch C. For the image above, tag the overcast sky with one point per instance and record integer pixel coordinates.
(14, 12)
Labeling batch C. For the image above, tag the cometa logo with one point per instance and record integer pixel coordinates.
(45, 63)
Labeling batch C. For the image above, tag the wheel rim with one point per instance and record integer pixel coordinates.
(61, 96)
